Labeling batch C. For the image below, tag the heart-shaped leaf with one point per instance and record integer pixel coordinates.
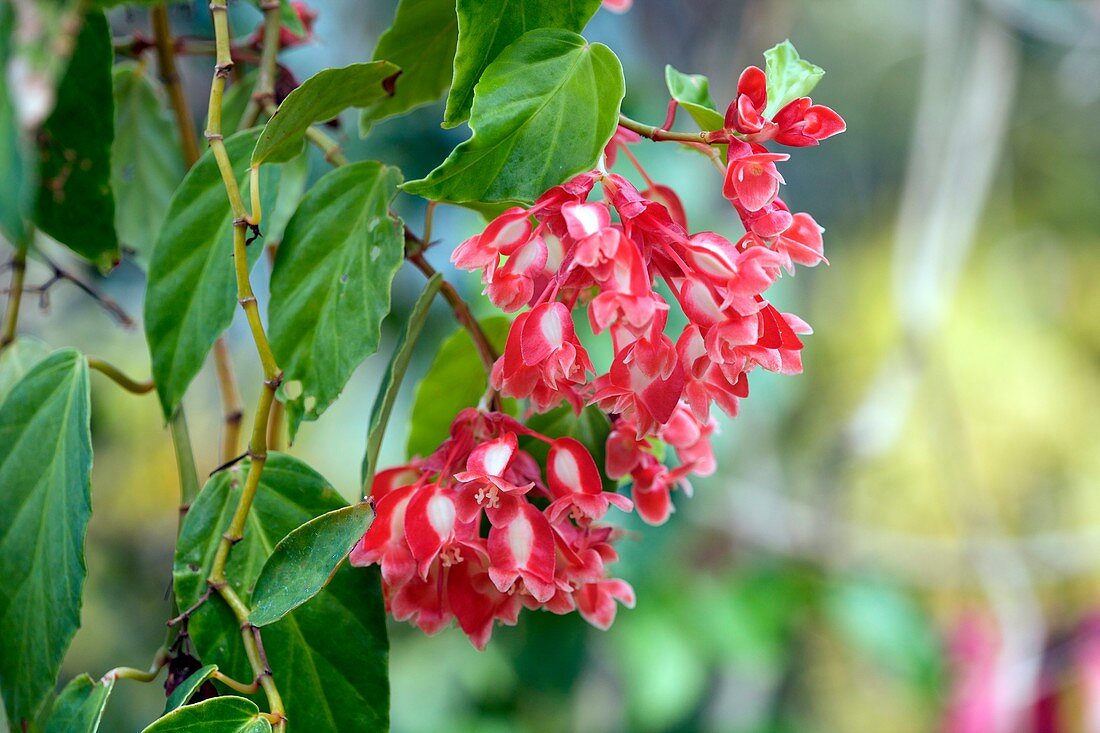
(304, 561)
(45, 467)
(330, 288)
(789, 76)
(543, 112)
(487, 27)
(79, 707)
(329, 656)
(321, 97)
(692, 92)
(227, 714)
(192, 292)
(422, 42)
(16, 359)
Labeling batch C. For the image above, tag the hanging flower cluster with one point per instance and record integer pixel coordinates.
(473, 532)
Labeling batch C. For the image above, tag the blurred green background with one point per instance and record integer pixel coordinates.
(904, 538)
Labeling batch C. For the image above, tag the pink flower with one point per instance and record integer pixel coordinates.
(384, 543)
(542, 358)
(596, 601)
(504, 234)
(803, 123)
(745, 113)
(751, 176)
(618, 6)
(576, 485)
(488, 483)
(801, 243)
(522, 549)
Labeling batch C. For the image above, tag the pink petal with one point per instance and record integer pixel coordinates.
(523, 548)
(570, 468)
(547, 327)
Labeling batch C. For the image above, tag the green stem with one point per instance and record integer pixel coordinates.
(169, 76)
(117, 376)
(250, 635)
(160, 659)
(15, 295)
(185, 461)
(658, 134)
(264, 95)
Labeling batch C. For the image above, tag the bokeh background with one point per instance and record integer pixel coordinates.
(904, 538)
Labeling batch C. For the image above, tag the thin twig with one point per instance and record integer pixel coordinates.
(462, 313)
(18, 266)
(117, 376)
(60, 274)
(169, 76)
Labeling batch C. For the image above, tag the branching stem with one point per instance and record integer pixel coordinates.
(257, 447)
(117, 376)
(15, 296)
(169, 76)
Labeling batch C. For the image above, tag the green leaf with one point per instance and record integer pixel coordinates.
(217, 715)
(422, 42)
(292, 184)
(191, 291)
(692, 92)
(487, 27)
(329, 656)
(146, 165)
(321, 97)
(543, 112)
(16, 359)
(330, 287)
(304, 561)
(455, 380)
(17, 175)
(74, 204)
(45, 466)
(79, 707)
(591, 428)
(391, 381)
(789, 77)
(189, 687)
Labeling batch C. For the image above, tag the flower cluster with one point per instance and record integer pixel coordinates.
(609, 255)
(474, 533)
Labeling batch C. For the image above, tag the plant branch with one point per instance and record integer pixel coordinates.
(15, 295)
(257, 447)
(264, 94)
(59, 275)
(160, 659)
(118, 377)
(169, 76)
(462, 313)
(232, 405)
(185, 461)
(658, 134)
(166, 61)
(233, 684)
